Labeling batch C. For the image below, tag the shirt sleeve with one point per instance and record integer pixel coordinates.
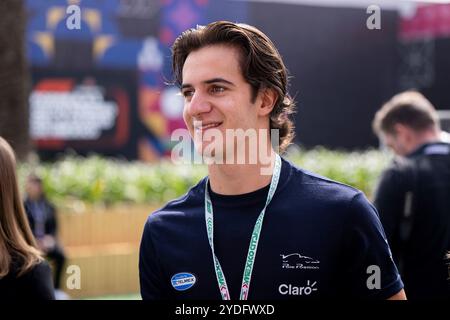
(51, 223)
(368, 263)
(389, 201)
(150, 271)
(29, 215)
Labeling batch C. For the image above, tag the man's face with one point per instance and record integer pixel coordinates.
(216, 94)
(34, 189)
(402, 141)
(392, 142)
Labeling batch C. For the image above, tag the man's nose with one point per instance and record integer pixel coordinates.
(199, 104)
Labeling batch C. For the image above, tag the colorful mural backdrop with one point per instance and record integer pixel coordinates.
(101, 86)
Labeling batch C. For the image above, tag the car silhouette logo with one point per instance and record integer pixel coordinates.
(298, 261)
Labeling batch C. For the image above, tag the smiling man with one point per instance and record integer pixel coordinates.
(241, 233)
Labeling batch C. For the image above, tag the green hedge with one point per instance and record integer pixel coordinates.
(96, 180)
(358, 169)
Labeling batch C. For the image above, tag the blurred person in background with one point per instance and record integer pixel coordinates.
(24, 274)
(42, 217)
(289, 233)
(413, 195)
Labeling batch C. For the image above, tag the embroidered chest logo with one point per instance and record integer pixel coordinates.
(297, 261)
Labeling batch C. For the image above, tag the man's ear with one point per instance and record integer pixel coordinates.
(399, 129)
(403, 131)
(268, 99)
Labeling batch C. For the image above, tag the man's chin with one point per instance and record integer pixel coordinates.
(209, 153)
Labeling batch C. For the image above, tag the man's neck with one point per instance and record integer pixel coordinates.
(425, 138)
(233, 179)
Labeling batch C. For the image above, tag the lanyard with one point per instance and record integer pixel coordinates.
(246, 278)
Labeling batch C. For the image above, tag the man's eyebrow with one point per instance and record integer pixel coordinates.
(185, 85)
(218, 80)
(214, 80)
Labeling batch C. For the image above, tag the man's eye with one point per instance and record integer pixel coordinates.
(187, 93)
(217, 89)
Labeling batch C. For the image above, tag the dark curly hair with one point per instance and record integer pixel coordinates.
(260, 62)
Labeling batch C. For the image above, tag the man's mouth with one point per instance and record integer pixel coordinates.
(206, 126)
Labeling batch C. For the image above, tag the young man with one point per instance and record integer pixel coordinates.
(413, 196)
(240, 232)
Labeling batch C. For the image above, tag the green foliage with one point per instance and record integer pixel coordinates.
(96, 180)
(357, 169)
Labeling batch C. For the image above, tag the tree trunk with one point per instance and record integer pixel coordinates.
(14, 77)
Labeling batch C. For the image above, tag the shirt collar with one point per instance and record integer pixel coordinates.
(437, 147)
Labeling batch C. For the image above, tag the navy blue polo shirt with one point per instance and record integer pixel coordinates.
(320, 239)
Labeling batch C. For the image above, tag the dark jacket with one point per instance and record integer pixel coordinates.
(36, 284)
(420, 185)
(49, 212)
